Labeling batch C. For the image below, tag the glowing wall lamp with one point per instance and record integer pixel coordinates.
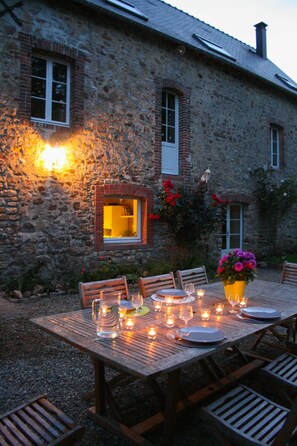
(54, 158)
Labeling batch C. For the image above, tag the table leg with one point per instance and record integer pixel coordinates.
(100, 393)
(171, 407)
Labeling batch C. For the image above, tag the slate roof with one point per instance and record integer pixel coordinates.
(179, 27)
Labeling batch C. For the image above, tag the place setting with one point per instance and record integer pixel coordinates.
(258, 314)
(173, 296)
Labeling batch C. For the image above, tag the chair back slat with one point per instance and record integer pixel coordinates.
(149, 285)
(289, 273)
(197, 276)
(89, 291)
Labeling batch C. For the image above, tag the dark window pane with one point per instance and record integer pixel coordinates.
(171, 101)
(235, 227)
(59, 72)
(171, 135)
(171, 118)
(164, 99)
(163, 116)
(38, 87)
(58, 112)
(235, 212)
(224, 245)
(38, 108)
(163, 133)
(59, 92)
(234, 241)
(38, 67)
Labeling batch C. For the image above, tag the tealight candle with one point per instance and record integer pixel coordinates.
(129, 323)
(122, 312)
(243, 302)
(103, 310)
(168, 300)
(158, 306)
(169, 321)
(219, 308)
(151, 332)
(205, 314)
(200, 293)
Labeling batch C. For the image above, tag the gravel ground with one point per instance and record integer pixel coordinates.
(34, 363)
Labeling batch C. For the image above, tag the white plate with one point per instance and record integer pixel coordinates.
(261, 312)
(202, 334)
(127, 304)
(177, 301)
(172, 292)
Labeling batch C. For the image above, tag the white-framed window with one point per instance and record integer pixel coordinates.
(232, 228)
(274, 146)
(50, 91)
(170, 133)
(121, 220)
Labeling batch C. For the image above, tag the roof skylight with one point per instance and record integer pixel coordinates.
(213, 46)
(287, 82)
(128, 7)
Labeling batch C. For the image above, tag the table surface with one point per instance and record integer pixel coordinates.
(134, 353)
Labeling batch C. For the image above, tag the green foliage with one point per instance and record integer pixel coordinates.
(190, 214)
(274, 197)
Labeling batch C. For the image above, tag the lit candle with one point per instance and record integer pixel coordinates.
(104, 310)
(169, 320)
(205, 314)
(168, 300)
(158, 306)
(243, 302)
(151, 332)
(122, 312)
(219, 308)
(200, 293)
(129, 323)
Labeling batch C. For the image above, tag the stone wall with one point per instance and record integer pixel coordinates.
(49, 217)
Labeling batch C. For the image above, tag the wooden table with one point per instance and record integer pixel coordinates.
(134, 354)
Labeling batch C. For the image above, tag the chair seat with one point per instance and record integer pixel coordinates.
(246, 418)
(38, 422)
(284, 370)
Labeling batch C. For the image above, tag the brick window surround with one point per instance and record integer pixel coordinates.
(29, 45)
(146, 197)
(184, 128)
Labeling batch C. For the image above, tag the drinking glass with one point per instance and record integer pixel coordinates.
(233, 301)
(189, 289)
(137, 301)
(186, 314)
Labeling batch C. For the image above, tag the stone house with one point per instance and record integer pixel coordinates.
(130, 94)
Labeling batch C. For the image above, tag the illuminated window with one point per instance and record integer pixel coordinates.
(50, 91)
(170, 133)
(121, 220)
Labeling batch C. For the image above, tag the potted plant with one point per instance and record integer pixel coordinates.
(236, 269)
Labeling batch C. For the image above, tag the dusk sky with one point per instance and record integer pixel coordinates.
(237, 18)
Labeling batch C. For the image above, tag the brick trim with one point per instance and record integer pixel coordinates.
(30, 44)
(184, 129)
(146, 196)
(237, 198)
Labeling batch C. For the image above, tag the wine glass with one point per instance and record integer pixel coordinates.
(186, 314)
(233, 301)
(189, 289)
(137, 301)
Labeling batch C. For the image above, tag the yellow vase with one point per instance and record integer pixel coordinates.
(236, 288)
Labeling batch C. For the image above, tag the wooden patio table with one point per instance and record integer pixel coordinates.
(133, 353)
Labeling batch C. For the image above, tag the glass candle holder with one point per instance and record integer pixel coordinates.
(152, 332)
(219, 308)
(200, 293)
(205, 314)
(243, 301)
(129, 325)
(169, 300)
(157, 306)
(169, 320)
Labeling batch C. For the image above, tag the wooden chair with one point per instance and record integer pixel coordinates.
(289, 273)
(245, 417)
(91, 290)
(283, 370)
(149, 285)
(197, 276)
(38, 422)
